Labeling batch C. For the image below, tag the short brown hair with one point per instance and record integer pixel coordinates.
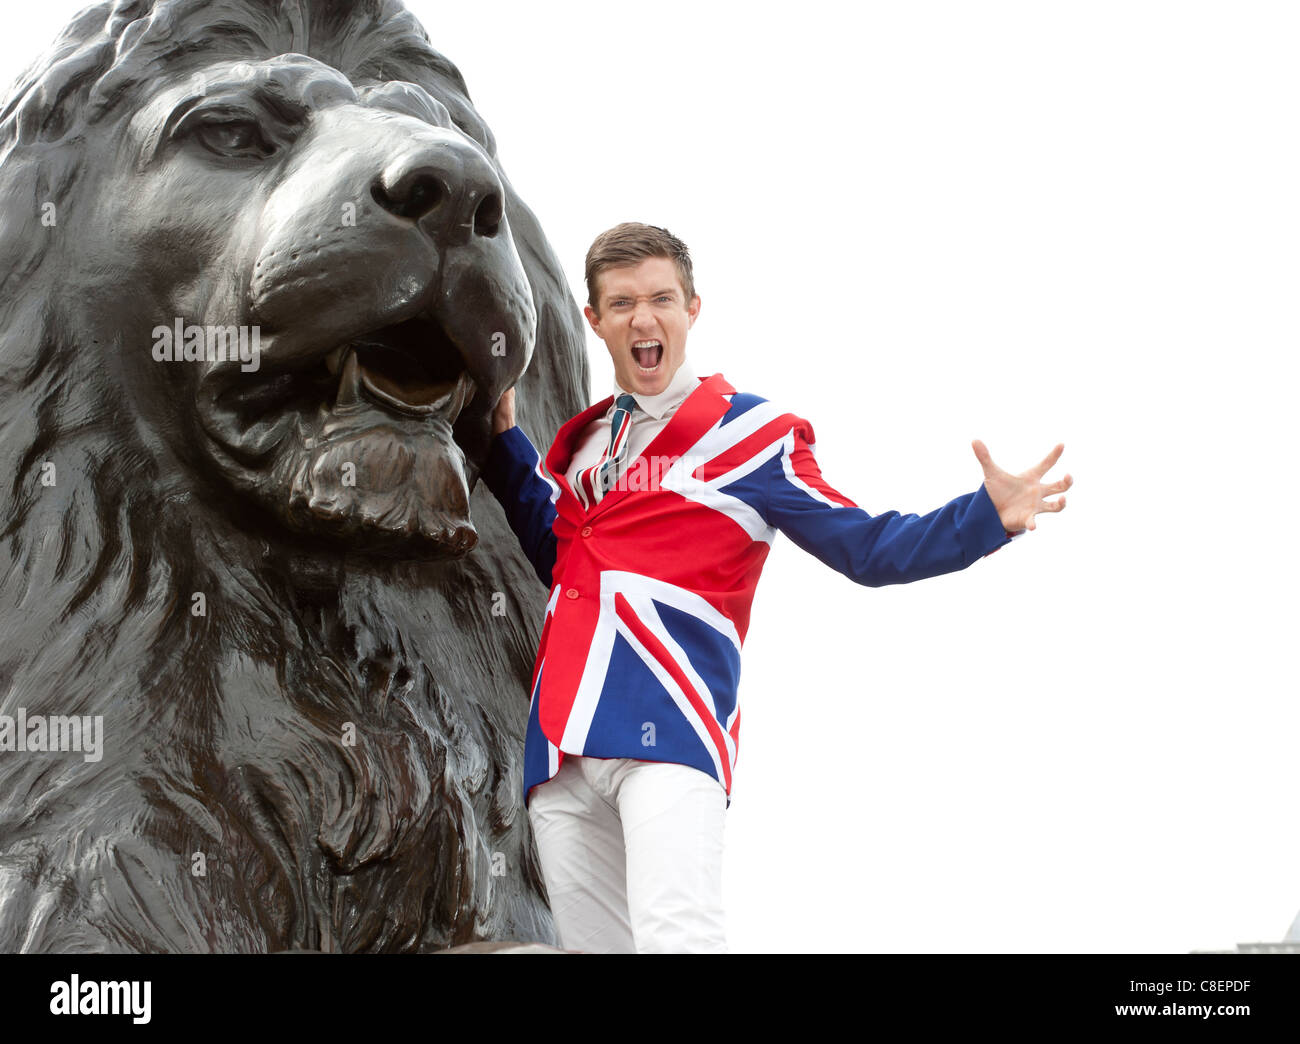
(630, 243)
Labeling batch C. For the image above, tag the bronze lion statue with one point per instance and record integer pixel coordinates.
(263, 283)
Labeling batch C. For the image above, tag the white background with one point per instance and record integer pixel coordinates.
(919, 223)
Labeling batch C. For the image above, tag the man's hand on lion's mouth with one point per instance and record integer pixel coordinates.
(503, 415)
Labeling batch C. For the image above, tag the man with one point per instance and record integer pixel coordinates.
(650, 521)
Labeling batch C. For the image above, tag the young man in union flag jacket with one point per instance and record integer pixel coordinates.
(649, 521)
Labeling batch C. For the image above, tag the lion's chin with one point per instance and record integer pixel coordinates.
(378, 485)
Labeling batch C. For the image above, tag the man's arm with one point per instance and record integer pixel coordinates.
(889, 548)
(513, 473)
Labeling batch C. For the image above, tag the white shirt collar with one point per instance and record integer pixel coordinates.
(657, 406)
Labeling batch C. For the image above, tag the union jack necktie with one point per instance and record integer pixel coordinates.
(593, 482)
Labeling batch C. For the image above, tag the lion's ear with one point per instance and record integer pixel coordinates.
(554, 387)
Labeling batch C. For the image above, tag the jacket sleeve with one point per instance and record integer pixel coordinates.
(513, 472)
(873, 550)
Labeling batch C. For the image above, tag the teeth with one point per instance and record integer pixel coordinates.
(356, 384)
(350, 383)
(447, 406)
(450, 405)
(647, 354)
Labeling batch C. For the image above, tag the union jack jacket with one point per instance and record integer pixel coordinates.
(650, 589)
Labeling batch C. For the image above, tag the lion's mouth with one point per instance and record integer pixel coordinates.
(359, 441)
(411, 367)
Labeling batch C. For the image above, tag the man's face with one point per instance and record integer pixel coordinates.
(643, 320)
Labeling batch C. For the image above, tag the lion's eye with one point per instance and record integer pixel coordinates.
(234, 138)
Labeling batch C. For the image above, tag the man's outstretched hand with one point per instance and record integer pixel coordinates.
(1019, 498)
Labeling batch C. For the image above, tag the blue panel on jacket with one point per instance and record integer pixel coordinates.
(632, 697)
(741, 403)
(717, 663)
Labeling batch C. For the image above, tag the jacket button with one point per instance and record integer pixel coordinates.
(572, 592)
(586, 530)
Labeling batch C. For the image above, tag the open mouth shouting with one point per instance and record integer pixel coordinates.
(647, 354)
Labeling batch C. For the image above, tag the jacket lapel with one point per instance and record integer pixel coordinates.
(561, 453)
(702, 409)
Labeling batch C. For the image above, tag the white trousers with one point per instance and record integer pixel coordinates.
(631, 852)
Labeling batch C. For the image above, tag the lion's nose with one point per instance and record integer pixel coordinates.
(447, 188)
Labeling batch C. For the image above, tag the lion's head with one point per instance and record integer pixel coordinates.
(262, 281)
(298, 253)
